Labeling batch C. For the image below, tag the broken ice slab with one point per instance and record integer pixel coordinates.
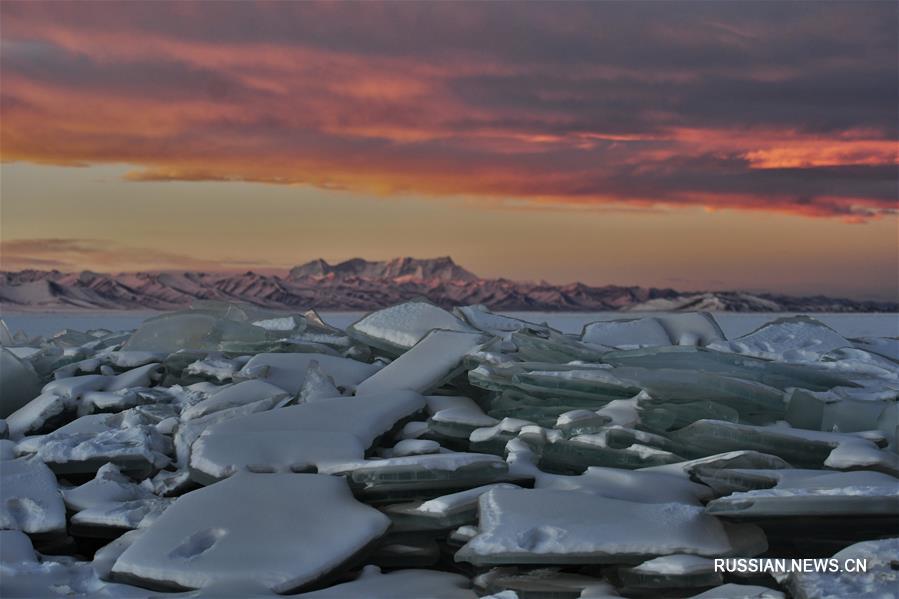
(397, 328)
(297, 438)
(481, 318)
(550, 346)
(25, 574)
(880, 578)
(86, 444)
(691, 328)
(216, 456)
(19, 382)
(431, 362)
(795, 493)
(827, 412)
(801, 448)
(217, 367)
(187, 431)
(30, 500)
(399, 584)
(453, 418)
(112, 519)
(191, 330)
(558, 454)
(65, 395)
(628, 485)
(888, 347)
(108, 486)
(288, 371)
(421, 475)
(243, 393)
(796, 338)
(541, 582)
(670, 572)
(640, 332)
(277, 530)
(538, 526)
(441, 513)
(774, 374)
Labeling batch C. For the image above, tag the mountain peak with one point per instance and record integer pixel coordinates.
(426, 269)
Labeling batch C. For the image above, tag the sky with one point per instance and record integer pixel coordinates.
(694, 145)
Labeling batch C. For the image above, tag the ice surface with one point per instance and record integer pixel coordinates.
(287, 519)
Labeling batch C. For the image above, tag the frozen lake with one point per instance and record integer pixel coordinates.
(734, 324)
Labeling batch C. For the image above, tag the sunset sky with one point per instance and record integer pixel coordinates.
(695, 145)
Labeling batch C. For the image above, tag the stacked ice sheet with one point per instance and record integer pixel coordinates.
(228, 451)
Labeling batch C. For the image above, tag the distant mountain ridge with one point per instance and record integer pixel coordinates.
(359, 284)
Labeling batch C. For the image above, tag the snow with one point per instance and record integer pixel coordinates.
(546, 526)
(287, 519)
(29, 498)
(398, 328)
(288, 371)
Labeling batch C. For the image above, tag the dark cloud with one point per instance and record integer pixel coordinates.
(760, 105)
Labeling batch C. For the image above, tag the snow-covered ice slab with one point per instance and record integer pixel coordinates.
(398, 328)
(801, 448)
(281, 531)
(797, 338)
(231, 396)
(30, 500)
(811, 493)
(537, 526)
(288, 371)
(427, 365)
(86, 444)
(296, 438)
(108, 486)
(422, 473)
(671, 572)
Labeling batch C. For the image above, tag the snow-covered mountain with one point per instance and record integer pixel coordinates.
(359, 284)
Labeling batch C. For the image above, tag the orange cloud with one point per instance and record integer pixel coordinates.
(448, 100)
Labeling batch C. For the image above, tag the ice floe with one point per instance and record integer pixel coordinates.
(233, 451)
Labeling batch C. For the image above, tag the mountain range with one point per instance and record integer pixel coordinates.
(359, 284)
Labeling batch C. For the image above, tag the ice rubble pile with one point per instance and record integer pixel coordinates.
(228, 451)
